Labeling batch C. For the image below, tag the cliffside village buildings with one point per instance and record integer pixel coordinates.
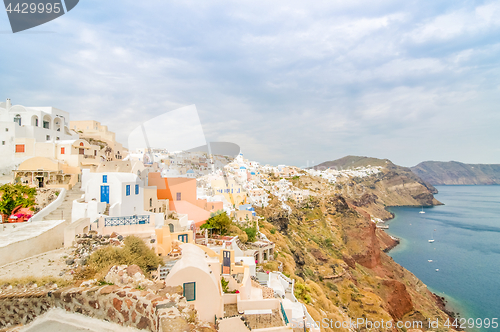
(159, 196)
(163, 198)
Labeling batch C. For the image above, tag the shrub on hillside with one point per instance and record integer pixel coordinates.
(251, 233)
(135, 251)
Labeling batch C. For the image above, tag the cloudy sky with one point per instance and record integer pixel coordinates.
(295, 82)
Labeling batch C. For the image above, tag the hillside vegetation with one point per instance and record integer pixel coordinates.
(330, 245)
(335, 255)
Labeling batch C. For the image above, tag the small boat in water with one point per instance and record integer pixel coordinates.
(437, 270)
(422, 210)
(432, 239)
(429, 260)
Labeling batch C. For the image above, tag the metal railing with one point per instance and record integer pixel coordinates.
(123, 221)
(283, 313)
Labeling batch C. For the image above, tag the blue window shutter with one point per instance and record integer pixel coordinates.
(128, 190)
(137, 189)
(104, 179)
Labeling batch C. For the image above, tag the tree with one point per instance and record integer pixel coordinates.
(13, 195)
(251, 233)
(219, 221)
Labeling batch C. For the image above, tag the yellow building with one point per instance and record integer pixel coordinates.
(232, 191)
(167, 239)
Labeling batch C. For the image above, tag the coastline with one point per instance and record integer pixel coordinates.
(442, 301)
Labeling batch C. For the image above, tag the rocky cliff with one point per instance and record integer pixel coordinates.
(332, 248)
(455, 173)
(393, 186)
(335, 254)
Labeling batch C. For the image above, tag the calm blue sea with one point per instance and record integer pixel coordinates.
(466, 249)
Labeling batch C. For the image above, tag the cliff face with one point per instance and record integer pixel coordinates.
(335, 253)
(332, 248)
(455, 173)
(393, 186)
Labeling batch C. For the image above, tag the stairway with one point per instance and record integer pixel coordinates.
(63, 212)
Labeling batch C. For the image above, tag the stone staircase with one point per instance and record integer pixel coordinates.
(64, 211)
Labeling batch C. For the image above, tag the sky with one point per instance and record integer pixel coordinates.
(290, 82)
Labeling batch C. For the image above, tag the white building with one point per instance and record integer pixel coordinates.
(23, 127)
(123, 192)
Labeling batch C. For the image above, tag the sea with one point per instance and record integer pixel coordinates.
(465, 254)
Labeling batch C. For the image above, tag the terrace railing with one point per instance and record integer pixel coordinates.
(125, 221)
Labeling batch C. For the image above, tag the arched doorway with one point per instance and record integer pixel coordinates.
(46, 121)
(17, 119)
(57, 124)
(34, 121)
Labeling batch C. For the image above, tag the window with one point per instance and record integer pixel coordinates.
(3, 142)
(62, 150)
(189, 291)
(36, 122)
(46, 124)
(104, 179)
(47, 138)
(17, 119)
(81, 144)
(81, 151)
(150, 202)
(127, 189)
(19, 148)
(178, 196)
(137, 189)
(6, 129)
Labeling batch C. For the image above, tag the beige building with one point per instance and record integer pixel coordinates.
(44, 172)
(199, 277)
(93, 130)
(242, 216)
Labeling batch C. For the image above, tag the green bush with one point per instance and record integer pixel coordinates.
(218, 221)
(134, 252)
(332, 286)
(251, 233)
(14, 195)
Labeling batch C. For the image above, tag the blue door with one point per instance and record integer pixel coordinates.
(183, 238)
(105, 194)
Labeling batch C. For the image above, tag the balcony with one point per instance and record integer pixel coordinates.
(124, 221)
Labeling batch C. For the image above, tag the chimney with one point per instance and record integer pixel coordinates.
(8, 104)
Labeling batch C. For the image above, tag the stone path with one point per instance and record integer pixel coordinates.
(64, 211)
(51, 263)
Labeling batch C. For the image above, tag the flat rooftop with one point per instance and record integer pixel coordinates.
(26, 230)
(58, 320)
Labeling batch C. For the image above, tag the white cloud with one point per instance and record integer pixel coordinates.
(287, 81)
